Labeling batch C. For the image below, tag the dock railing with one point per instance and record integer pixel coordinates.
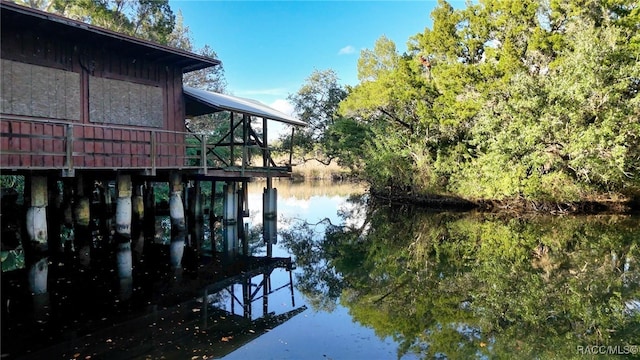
(41, 144)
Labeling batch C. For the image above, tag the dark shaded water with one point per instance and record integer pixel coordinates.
(374, 282)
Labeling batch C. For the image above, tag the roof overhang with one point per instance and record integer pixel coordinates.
(201, 102)
(28, 19)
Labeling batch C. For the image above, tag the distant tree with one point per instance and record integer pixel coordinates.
(316, 103)
(502, 99)
(147, 19)
(210, 79)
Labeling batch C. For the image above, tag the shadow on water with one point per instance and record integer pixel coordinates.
(472, 285)
(208, 308)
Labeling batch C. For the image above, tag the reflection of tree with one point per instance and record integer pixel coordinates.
(325, 253)
(464, 285)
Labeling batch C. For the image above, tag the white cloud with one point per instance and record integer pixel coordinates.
(283, 106)
(277, 128)
(347, 50)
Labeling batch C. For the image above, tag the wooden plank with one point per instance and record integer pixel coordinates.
(127, 148)
(48, 161)
(58, 146)
(99, 161)
(126, 160)
(99, 147)
(48, 143)
(90, 161)
(25, 142)
(78, 161)
(89, 132)
(78, 147)
(4, 144)
(90, 147)
(56, 161)
(37, 144)
(108, 147)
(78, 132)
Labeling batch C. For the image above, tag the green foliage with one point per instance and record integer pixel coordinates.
(15, 182)
(506, 99)
(345, 140)
(148, 19)
(468, 285)
(316, 103)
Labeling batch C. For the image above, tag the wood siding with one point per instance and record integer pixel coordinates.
(118, 103)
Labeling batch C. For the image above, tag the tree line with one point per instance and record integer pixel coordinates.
(534, 99)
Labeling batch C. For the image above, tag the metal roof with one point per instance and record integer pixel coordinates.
(26, 19)
(215, 102)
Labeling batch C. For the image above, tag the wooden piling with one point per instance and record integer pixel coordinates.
(137, 228)
(270, 217)
(81, 218)
(230, 220)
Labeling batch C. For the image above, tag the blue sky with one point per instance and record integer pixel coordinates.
(269, 48)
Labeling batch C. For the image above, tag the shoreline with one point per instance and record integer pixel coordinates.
(516, 206)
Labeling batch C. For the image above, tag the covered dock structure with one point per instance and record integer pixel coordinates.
(94, 121)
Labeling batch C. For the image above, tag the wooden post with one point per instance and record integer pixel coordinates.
(137, 228)
(55, 217)
(265, 293)
(293, 132)
(82, 216)
(265, 144)
(270, 217)
(245, 142)
(203, 156)
(231, 141)
(246, 298)
(213, 217)
(240, 222)
(229, 220)
(69, 171)
(149, 223)
(154, 153)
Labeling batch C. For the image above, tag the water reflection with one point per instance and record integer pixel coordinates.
(476, 285)
(95, 313)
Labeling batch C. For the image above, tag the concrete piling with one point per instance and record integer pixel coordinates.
(123, 226)
(178, 223)
(37, 249)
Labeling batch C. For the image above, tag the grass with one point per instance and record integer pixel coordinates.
(315, 170)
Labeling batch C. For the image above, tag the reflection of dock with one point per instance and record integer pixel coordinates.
(193, 325)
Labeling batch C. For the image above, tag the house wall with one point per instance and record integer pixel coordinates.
(116, 100)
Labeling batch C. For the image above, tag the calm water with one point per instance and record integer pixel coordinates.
(371, 282)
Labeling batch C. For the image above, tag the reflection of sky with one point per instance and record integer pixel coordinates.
(311, 334)
(312, 210)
